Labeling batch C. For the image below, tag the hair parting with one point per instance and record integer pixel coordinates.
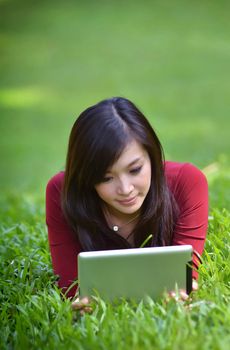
(97, 139)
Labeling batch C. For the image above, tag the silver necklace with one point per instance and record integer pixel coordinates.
(117, 228)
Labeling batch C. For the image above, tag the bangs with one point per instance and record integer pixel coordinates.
(104, 149)
(106, 158)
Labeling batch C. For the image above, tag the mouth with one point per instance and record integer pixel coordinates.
(127, 202)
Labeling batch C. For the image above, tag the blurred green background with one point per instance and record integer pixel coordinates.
(171, 58)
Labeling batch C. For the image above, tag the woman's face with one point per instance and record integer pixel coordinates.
(127, 182)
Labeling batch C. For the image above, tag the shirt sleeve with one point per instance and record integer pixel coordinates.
(191, 194)
(63, 242)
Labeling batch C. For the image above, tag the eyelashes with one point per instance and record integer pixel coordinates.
(106, 179)
(134, 171)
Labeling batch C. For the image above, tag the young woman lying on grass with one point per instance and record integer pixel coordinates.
(117, 189)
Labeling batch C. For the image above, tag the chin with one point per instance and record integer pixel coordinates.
(130, 210)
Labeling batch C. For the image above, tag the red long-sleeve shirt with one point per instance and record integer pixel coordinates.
(189, 187)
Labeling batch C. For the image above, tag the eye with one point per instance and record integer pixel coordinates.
(136, 170)
(106, 179)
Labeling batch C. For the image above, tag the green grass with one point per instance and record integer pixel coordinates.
(35, 316)
(58, 57)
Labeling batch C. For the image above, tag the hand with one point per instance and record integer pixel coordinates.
(194, 285)
(82, 305)
(182, 295)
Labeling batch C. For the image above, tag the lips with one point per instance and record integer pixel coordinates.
(127, 202)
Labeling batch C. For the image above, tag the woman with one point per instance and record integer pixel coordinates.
(117, 190)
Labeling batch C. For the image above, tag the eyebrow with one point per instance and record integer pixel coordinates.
(130, 164)
(134, 161)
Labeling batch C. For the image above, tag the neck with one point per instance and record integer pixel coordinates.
(118, 216)
(121, 222)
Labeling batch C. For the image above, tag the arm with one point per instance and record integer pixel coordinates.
(63, 242)
(191, 194)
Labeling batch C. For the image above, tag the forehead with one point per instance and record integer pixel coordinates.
(132, 152)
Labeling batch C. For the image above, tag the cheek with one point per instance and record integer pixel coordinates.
(146, 179)
(103, 191)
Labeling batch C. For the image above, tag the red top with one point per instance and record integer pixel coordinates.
(189, 187)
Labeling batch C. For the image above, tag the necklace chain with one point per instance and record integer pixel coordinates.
(117, 228)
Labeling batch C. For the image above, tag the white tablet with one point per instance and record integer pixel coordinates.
(135, 273)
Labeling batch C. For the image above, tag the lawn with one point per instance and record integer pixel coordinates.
(56, 58)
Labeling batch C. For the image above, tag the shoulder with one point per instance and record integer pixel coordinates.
(53, 199)
(183, 176)
(55, 184)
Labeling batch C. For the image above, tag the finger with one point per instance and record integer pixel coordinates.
(85, 301)
(183, 295)
(88, 309)
(173, 295)
(194, 285)
(78, 304)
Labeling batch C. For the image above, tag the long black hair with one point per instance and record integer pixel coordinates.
(97, 139)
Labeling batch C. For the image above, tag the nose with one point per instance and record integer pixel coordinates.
(125, 187)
